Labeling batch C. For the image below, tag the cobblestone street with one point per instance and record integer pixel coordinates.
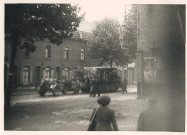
(69, 112)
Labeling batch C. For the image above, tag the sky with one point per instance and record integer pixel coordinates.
(96, 10)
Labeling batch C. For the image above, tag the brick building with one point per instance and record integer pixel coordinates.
(160, 60)
(53, 61)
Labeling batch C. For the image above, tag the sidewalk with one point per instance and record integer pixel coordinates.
(69, 111)
(31, 90)
(24, 91)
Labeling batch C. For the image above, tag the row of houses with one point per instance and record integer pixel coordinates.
(57, 62)
(52, 61)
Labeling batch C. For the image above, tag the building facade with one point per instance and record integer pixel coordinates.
(52, 61)
(158, 28)
(160, 60)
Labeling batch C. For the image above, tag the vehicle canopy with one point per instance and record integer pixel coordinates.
(98, 70)
(107, 77)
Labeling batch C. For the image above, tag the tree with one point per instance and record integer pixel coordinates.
(129, 31)
(37, 21)
(106, 43)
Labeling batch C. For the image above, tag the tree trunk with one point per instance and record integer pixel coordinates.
(111, 63)
(10, 82)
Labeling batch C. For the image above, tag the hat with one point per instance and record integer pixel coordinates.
(104, 100)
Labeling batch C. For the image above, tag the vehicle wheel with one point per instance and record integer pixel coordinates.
(42, 91)
(56, 91)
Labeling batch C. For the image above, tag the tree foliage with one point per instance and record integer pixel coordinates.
(33, 22)
(39, 21)
(106, 43)
(130, 34)
(114, 42)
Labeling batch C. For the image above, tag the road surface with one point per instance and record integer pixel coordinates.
(69, 112)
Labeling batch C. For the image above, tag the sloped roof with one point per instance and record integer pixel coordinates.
(85, 26)
(84, 31)
(81, 35)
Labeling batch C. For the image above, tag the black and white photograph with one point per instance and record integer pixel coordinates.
(94, 66)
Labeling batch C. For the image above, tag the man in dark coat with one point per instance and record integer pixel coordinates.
(94, 86)
(98, 87)
(124, 85)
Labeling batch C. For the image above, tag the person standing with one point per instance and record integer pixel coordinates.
(151, 119)
(98, 87)
(92, 88)
(124, 85)
(105, 117)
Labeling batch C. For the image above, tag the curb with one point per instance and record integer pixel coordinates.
(21, 94)
(34, 93)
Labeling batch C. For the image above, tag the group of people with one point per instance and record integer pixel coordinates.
(90, 84)
(105, 118)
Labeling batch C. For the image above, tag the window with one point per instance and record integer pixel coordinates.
(26, 75)
(82, 54)
(66, 53)
(74, 70)
(66, 73)
(47, 72)
(48, 51)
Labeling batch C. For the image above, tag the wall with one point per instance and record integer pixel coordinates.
(37, 60)
(162, 37)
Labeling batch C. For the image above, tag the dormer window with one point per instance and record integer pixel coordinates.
(80, 35)
(82, 54)
(66, 53)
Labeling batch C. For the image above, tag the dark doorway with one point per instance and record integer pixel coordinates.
(58, 73)
(37, 75)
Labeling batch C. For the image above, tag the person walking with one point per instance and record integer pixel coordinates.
(98, 87)
(104, 116)
(92, 87)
